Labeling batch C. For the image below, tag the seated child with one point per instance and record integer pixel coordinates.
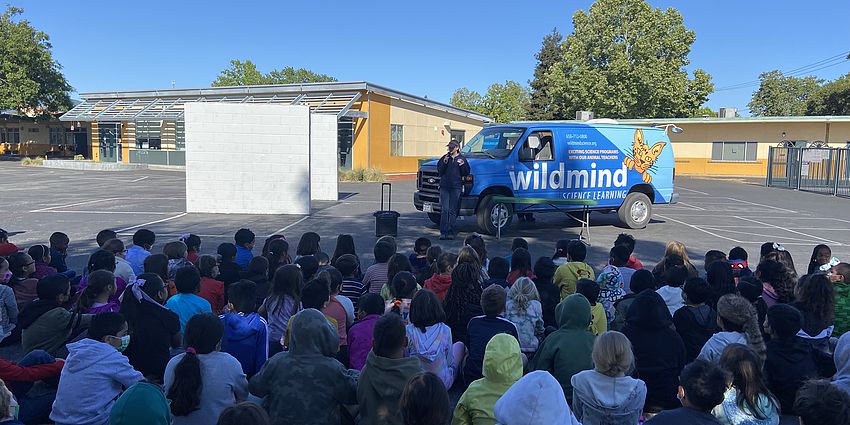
(696, 322)
(441, 280)
(590, 290)
(35, 366)
(482, 328)
(371, 307)
(95, 365)
(338, 307)
(417, 257)
(567, 275)
(671, 287)
(187, 303)
(502, 368)
(702, 385)
(642, 280)
(310, 367)
(142, 404)
(534, 399)
(46, 323)
(738, 321)
(95, 297)
(245, 331)
(524, 310)
(738, 261)
(618, 257)
(822, 403)
(385, 373)
(425, 401)
(402, 289)
(628, 241)
(498, 270)
(430, 339)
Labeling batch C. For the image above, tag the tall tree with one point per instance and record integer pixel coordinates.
(780, 95)
(31, 81)
(503, 102)
(541, 105)
(626, 59)
(833, 98)
(246, 74)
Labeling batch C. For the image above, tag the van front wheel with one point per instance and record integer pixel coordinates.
(635, 211)
(491, 214)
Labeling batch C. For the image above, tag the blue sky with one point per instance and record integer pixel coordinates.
(424, 48)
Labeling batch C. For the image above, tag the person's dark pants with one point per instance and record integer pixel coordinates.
(34, 409)
(449, 205)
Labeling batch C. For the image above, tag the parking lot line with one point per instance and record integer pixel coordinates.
(73, 205)
(691, 190)
(764, 205)
(149, 223)
(285, 228)
(793, 231)
(697, 228)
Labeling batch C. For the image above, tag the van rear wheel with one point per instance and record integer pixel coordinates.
(490, 214)
(435, 218)
(636, 211)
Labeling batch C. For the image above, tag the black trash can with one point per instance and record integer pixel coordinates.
(386, 220)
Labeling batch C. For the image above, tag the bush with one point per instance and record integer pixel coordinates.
(29, 162)
(361, 175)
(79, 158)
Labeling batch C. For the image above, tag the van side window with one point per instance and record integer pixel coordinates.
(543, 153)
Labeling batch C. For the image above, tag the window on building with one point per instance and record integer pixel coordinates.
(59, 136)
(459, 135)
(10, 135)
(33, 130)
(396, 140)
(734, 151)
(180, 135)
(148, 134)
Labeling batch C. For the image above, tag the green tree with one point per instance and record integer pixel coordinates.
(832, 98)
(31, 81)
(780, 95)
(246, 74)
(626, 59)
(703, 112)
(503, 102)
(541, 106)
(465, 98)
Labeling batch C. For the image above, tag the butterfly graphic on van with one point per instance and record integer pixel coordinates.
(642, 157)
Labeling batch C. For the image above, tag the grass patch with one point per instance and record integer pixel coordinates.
(361, 175)
(31, 162)
(79, 158)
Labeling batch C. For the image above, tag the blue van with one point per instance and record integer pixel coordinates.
(617, 167)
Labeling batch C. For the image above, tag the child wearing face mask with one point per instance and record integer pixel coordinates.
(96, 364)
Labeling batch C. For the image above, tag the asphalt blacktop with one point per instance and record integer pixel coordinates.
(712, 213)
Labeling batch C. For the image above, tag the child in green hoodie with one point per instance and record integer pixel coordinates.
(502, 368)
(385, 374)
(567, 275)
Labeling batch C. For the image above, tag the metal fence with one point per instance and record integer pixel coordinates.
(822, 170)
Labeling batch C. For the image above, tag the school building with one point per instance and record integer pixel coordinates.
(377, 127)
(739, 146)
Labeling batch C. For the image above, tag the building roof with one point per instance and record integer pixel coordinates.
(737, 120)
(322, 98)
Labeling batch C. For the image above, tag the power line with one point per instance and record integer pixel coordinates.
(807, 69)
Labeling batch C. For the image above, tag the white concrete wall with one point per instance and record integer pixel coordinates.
(244, 158)
(324, 182)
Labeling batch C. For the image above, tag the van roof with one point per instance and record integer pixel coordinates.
(573, 123)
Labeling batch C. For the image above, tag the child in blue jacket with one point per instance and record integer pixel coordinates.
(245, 331)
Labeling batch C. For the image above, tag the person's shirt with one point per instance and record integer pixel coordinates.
(634, 263)
(49, 330)
(43, 270)
(335, 309)
(479, 332)
(213, 291)
(136, 257)
(599, 322)
(683, 415)
(672, 296)
(8, 311)
(360, 340)
(528, 322)
(57, 260)
(599, 398)
(186, 306)
(229, 272)
(246, 337)
(94, 375)
(451, 169)
(222, 385)
(418, 263)
(433, 347)
(713, 348)
(243, 257)
(380, 387)
(375, 277)
(278, 311)
(107, 307)
(695, 324)
(351, 289)
(349, 308)
(25, 290)
(124, 270)
(567, 275)
(730, 412)
(154, 329)
(7, 249)
(626, 273)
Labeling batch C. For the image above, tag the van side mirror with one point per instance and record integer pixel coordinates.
(533, 142)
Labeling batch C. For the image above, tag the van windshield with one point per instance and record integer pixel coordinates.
(493, 142)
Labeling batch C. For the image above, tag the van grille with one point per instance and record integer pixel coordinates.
(429, 181)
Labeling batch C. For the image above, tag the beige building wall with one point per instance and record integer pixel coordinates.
(426, 130)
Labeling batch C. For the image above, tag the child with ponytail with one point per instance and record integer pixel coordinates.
(203, 381)
(402, 288)
(96, 296)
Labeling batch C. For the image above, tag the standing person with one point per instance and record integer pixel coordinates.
(607, 394)
(244, 239)
(203, 381)
(452, 167)
(155, 328)
(143, 240)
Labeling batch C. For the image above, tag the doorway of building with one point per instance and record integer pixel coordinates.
(81, 142)
(459, 135)
(109, 138)
(345, 139)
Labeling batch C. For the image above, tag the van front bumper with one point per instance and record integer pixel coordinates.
(467, 203)
(674, 198)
